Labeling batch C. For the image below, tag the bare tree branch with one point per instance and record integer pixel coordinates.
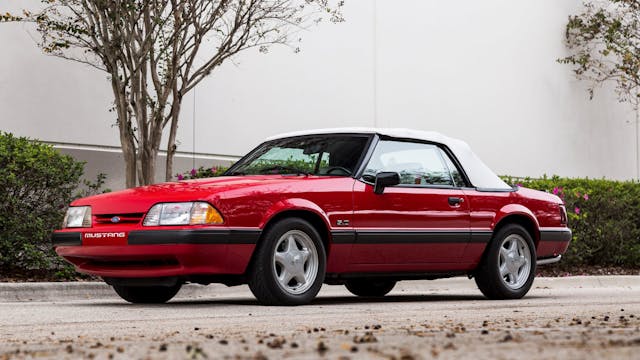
(156, 51)
(604, 45)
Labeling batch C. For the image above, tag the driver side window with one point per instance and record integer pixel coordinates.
(416, 163)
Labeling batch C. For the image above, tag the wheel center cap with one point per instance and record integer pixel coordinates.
(513, 261)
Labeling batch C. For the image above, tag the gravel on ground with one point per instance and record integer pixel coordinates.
(561, 318)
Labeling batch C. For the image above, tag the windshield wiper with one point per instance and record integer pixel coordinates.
(233, 173)
(285, 168)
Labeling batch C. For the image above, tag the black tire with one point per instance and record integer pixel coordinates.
(147, 294)
(263, 277)
(488, 277)
(370, 287)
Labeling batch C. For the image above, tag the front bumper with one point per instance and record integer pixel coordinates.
(157, 253)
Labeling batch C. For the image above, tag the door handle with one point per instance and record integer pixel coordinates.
(455, 201)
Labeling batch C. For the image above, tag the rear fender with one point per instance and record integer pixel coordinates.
(520, 211)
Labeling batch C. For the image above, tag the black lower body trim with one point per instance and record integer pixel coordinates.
(411, 237)
(480, 236)
(66, 239)
(206, 236)
(343, 237)
(408, 237)
(563, 235)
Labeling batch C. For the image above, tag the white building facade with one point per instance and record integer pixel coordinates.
(481, 71)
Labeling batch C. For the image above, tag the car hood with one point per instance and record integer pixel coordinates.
(140, 199)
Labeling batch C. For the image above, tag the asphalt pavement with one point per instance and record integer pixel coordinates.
(561, 318)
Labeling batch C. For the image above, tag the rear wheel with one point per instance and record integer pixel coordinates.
(368, 287)
(508, 267)
(147, 294)
(289, 264)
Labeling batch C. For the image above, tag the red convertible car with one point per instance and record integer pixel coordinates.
(360, 207)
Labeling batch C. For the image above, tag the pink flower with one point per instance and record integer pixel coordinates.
(555, 191)
(577, 210)
(585, 197)
(180, 177)
(193, 172)
(519, 185)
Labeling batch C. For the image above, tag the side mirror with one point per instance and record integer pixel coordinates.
(384, 179)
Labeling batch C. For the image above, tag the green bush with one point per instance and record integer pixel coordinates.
(37, 183)
(202, 172)
(604, 216)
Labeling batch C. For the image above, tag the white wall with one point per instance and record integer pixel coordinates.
(483, 71)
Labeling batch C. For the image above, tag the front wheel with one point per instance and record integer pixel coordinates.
(147, 294)
(366, 287)
(289, 264)
(508, 267)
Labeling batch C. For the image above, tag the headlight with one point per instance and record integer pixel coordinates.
(184, 213)
(77, 216)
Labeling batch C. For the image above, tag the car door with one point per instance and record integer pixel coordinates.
(420, 224)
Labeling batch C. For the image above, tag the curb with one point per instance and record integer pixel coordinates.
(53, 291)
(69, 291)
(596, 281)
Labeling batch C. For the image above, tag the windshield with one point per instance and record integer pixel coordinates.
(331, 155)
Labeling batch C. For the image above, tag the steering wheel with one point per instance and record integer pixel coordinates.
(341, 168)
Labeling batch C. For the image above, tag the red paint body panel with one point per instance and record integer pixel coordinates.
(406, 229)
(408, 208)
(129, 261)
(551, 248)
(541, 209)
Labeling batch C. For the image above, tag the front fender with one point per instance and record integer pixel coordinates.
(295, 204)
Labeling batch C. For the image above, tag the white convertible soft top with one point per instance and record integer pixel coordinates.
(479, 174)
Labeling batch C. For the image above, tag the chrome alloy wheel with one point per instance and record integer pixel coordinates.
(295, 262)
(514, 261)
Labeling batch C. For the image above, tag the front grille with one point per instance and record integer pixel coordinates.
(131, 218)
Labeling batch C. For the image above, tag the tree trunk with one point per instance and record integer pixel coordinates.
(148, 157)
(129, 154)
(171, 143)
(126, 136)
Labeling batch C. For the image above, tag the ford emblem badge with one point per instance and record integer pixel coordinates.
(115, 219)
